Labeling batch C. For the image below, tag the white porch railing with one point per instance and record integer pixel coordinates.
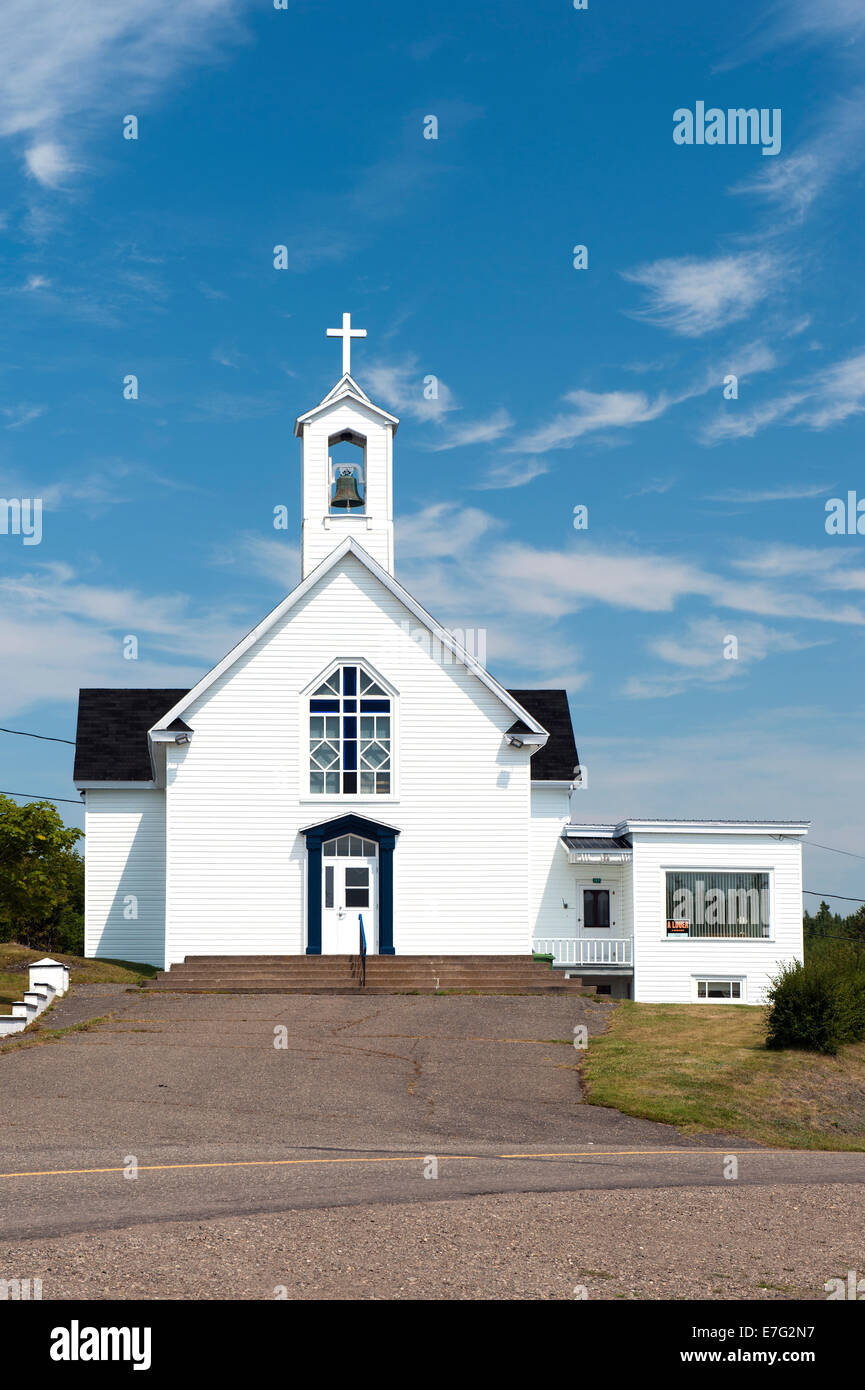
(569, 950)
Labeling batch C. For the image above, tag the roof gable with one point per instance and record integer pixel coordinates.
(346, 389)
(113, 725)
(352, 547)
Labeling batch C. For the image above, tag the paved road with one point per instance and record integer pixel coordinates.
(326, 1141)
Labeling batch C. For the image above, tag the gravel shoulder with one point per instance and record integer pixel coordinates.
(666, 1243)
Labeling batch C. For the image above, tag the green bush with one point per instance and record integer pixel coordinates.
(819, 1003)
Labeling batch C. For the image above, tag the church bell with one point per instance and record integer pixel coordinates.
(345, 494)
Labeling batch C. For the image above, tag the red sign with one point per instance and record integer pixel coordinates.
(675, 927)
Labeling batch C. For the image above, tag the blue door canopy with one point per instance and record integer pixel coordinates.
(385, 838)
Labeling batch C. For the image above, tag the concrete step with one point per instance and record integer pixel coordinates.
(403, 982)
(568, 988)
(384, 975)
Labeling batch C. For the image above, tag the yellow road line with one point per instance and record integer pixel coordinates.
(391, 1158)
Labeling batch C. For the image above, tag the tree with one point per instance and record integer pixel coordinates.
(41, 876)
(824, 923)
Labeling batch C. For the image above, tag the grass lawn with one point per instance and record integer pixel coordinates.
(705, 1068)
(14, 979)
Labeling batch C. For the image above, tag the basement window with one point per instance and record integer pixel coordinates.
(720, 991)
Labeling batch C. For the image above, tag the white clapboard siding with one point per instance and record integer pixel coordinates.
(237, 793)
(552, 878)
(665, 967)
(124, 874)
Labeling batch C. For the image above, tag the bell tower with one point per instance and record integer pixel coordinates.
(347, 467)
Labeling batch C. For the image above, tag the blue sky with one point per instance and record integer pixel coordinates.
(559, 387)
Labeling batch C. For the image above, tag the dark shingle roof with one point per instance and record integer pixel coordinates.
(555, 762)
(111, 741)
(606, 842)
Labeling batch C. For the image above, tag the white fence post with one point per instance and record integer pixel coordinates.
(49, 979)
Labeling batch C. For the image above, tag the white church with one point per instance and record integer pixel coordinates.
(351, 761)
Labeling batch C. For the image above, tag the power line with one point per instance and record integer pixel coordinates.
(46, 737)
(38, 796)
(812, 844)
(815, 894)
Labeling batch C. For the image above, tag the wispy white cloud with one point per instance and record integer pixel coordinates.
(782, 493)
(113, 483)
(443, 530)
(59, 61)
(477, 431)
(464, 549)
(517, 473)
(20, 415)
(795, 184)
(269, 557)
(227, 357)
(830, 21)
(735, 424)
(600, 412)
(839, 392)
(593, 412)
(472, 574)
(822, 568)
(826, 398)
(49, 163)
(654, 486)
(693, 296)
(58, 632)
(699, 655)
(423, 396)
(403, 386)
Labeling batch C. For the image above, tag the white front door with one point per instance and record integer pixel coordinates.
(349, 894)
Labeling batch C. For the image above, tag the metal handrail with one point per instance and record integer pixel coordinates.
(362, 951)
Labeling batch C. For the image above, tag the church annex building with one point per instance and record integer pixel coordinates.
(350, 759)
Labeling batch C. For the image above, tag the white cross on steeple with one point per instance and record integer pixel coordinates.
(346, 333)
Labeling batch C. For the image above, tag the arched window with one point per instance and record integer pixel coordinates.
(350, 735)
(349, 847)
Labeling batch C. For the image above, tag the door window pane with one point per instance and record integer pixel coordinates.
(357, 887)
(328, 885)
(596, 908)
